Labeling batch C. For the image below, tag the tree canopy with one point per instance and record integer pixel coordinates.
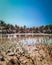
(15, 29)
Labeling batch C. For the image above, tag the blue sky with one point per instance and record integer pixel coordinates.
(26, 12)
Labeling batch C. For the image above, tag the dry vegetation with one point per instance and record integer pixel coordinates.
(16, 54)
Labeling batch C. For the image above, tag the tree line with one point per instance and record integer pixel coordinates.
(9, 28)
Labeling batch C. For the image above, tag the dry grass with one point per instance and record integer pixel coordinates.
(41, 55)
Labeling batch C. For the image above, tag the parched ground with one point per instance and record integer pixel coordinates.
(18, 54)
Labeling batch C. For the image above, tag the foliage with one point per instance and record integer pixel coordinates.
(15, 29)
